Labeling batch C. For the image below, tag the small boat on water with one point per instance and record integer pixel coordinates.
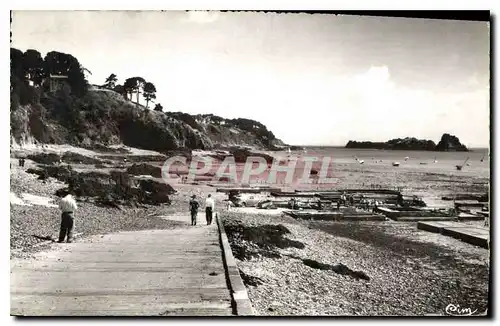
(423, 163)
(395, 163)
(361, 161)
(459, 167)
(406, 158)
(482, 159)
(435, 159)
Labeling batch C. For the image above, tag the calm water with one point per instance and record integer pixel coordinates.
(446, 161)
(437, 178)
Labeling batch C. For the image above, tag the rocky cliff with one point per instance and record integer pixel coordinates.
(53, 102)
(105, 117)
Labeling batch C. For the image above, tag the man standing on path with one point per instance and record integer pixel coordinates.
(193, 207)
(209, 208)
(68, 208)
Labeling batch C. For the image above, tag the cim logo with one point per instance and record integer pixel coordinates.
(456, 310)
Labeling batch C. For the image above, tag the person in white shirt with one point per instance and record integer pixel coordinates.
(209, 208)
(67, 206)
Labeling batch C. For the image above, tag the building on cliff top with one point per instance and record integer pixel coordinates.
(56, 82)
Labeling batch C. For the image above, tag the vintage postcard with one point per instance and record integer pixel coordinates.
(249, 163)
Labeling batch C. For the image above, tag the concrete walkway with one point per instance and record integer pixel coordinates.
(478, 236)
(143, 273)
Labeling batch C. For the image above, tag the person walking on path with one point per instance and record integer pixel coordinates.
(68, 208)
(343, 199)
(209, 208)
(193, 207)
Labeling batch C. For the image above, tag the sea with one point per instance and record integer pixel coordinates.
(426, 174)
(415, 160)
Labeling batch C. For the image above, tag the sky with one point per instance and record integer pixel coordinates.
(311, 79)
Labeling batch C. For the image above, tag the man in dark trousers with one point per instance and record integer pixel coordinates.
(68, 208)
(209, 208)
(193, 207)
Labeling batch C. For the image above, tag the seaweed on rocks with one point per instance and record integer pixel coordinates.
(105, 149)
(47, 237)
(59, 172)
(242, 154)
(248, 242)
(45, 158)
(135, 158)
(108, 201)
(145, 169)
(247, 251)
(90, 184)
(110, 189)
(250, 280)
(154, 192)
(184, 152)
(317, 265)
(71, 157)
(67, 157)
(338, 268)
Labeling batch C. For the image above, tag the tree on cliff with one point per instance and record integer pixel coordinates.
(216, 120)
(129, 86)
(62, 64)
(16, 63)
(149, 91)
(139, 84)
(33, 66)
(158, 107)
(110, 82)
(18, 86)
(121, 90)
(21, 66)
(85, 71)
(134, 84)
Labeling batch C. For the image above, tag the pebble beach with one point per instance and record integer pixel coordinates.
(411, 272)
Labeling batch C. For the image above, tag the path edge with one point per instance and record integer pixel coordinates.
(241, 303)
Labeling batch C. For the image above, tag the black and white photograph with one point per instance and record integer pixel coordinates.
(250, 163)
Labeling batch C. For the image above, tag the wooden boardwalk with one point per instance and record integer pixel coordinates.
(467, 233)
(143, 273)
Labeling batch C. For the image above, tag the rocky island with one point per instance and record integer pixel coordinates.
(447, 143)
(450, 143)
